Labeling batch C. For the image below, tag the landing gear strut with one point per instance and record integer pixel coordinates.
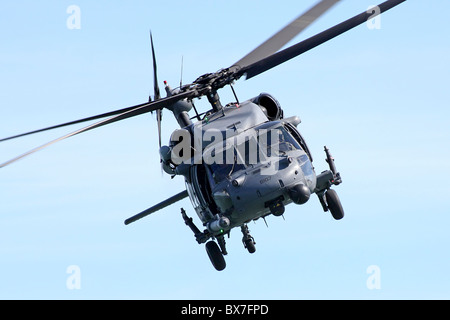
(327, 196)
(215, 251)
(247, 239)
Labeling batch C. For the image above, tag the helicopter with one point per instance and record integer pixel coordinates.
(242, 161)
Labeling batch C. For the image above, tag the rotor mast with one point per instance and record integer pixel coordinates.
(214, 100)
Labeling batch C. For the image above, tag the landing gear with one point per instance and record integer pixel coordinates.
(215, 251)
(334, 204)
(330, 202)
(247, 239)
(327, 196)
(215, 255)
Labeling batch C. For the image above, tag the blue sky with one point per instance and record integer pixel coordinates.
(377, 98)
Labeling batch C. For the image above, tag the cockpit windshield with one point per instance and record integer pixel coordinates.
(248, 149)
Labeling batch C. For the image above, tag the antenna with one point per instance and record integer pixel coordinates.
(181, 77)
(234, 92)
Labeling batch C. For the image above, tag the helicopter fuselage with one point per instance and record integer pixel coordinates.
(252, 163)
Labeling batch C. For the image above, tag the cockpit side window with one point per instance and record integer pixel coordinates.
(276, 141)
(298, 137)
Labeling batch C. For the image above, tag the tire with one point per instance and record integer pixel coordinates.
(215, 255)
(250, 245)
(334, 204)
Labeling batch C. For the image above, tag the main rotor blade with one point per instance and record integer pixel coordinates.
(282, 37)
(159, 206)
(156, 90)
(308, 44)
(144, 108)
(99, 116)
(155, 71)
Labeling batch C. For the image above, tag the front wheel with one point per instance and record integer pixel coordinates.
(334, 204)
(250, 245)
(215, 255)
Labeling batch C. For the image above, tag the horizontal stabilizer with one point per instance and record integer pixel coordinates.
(157, 207)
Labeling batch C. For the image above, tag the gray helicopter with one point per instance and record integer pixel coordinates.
(242, 161)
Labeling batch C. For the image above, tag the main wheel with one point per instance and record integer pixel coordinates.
(334, 204)
(215, 255)
(250, 245)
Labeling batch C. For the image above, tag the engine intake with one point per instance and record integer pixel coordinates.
(269, 105)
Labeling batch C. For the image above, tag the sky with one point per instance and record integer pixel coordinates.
(377, 97)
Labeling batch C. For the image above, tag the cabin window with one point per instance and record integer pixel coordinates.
(192, 195)
(221, 171)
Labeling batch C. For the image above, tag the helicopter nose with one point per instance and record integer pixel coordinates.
(299, 193)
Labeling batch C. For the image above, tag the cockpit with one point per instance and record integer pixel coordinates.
(249, 149)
